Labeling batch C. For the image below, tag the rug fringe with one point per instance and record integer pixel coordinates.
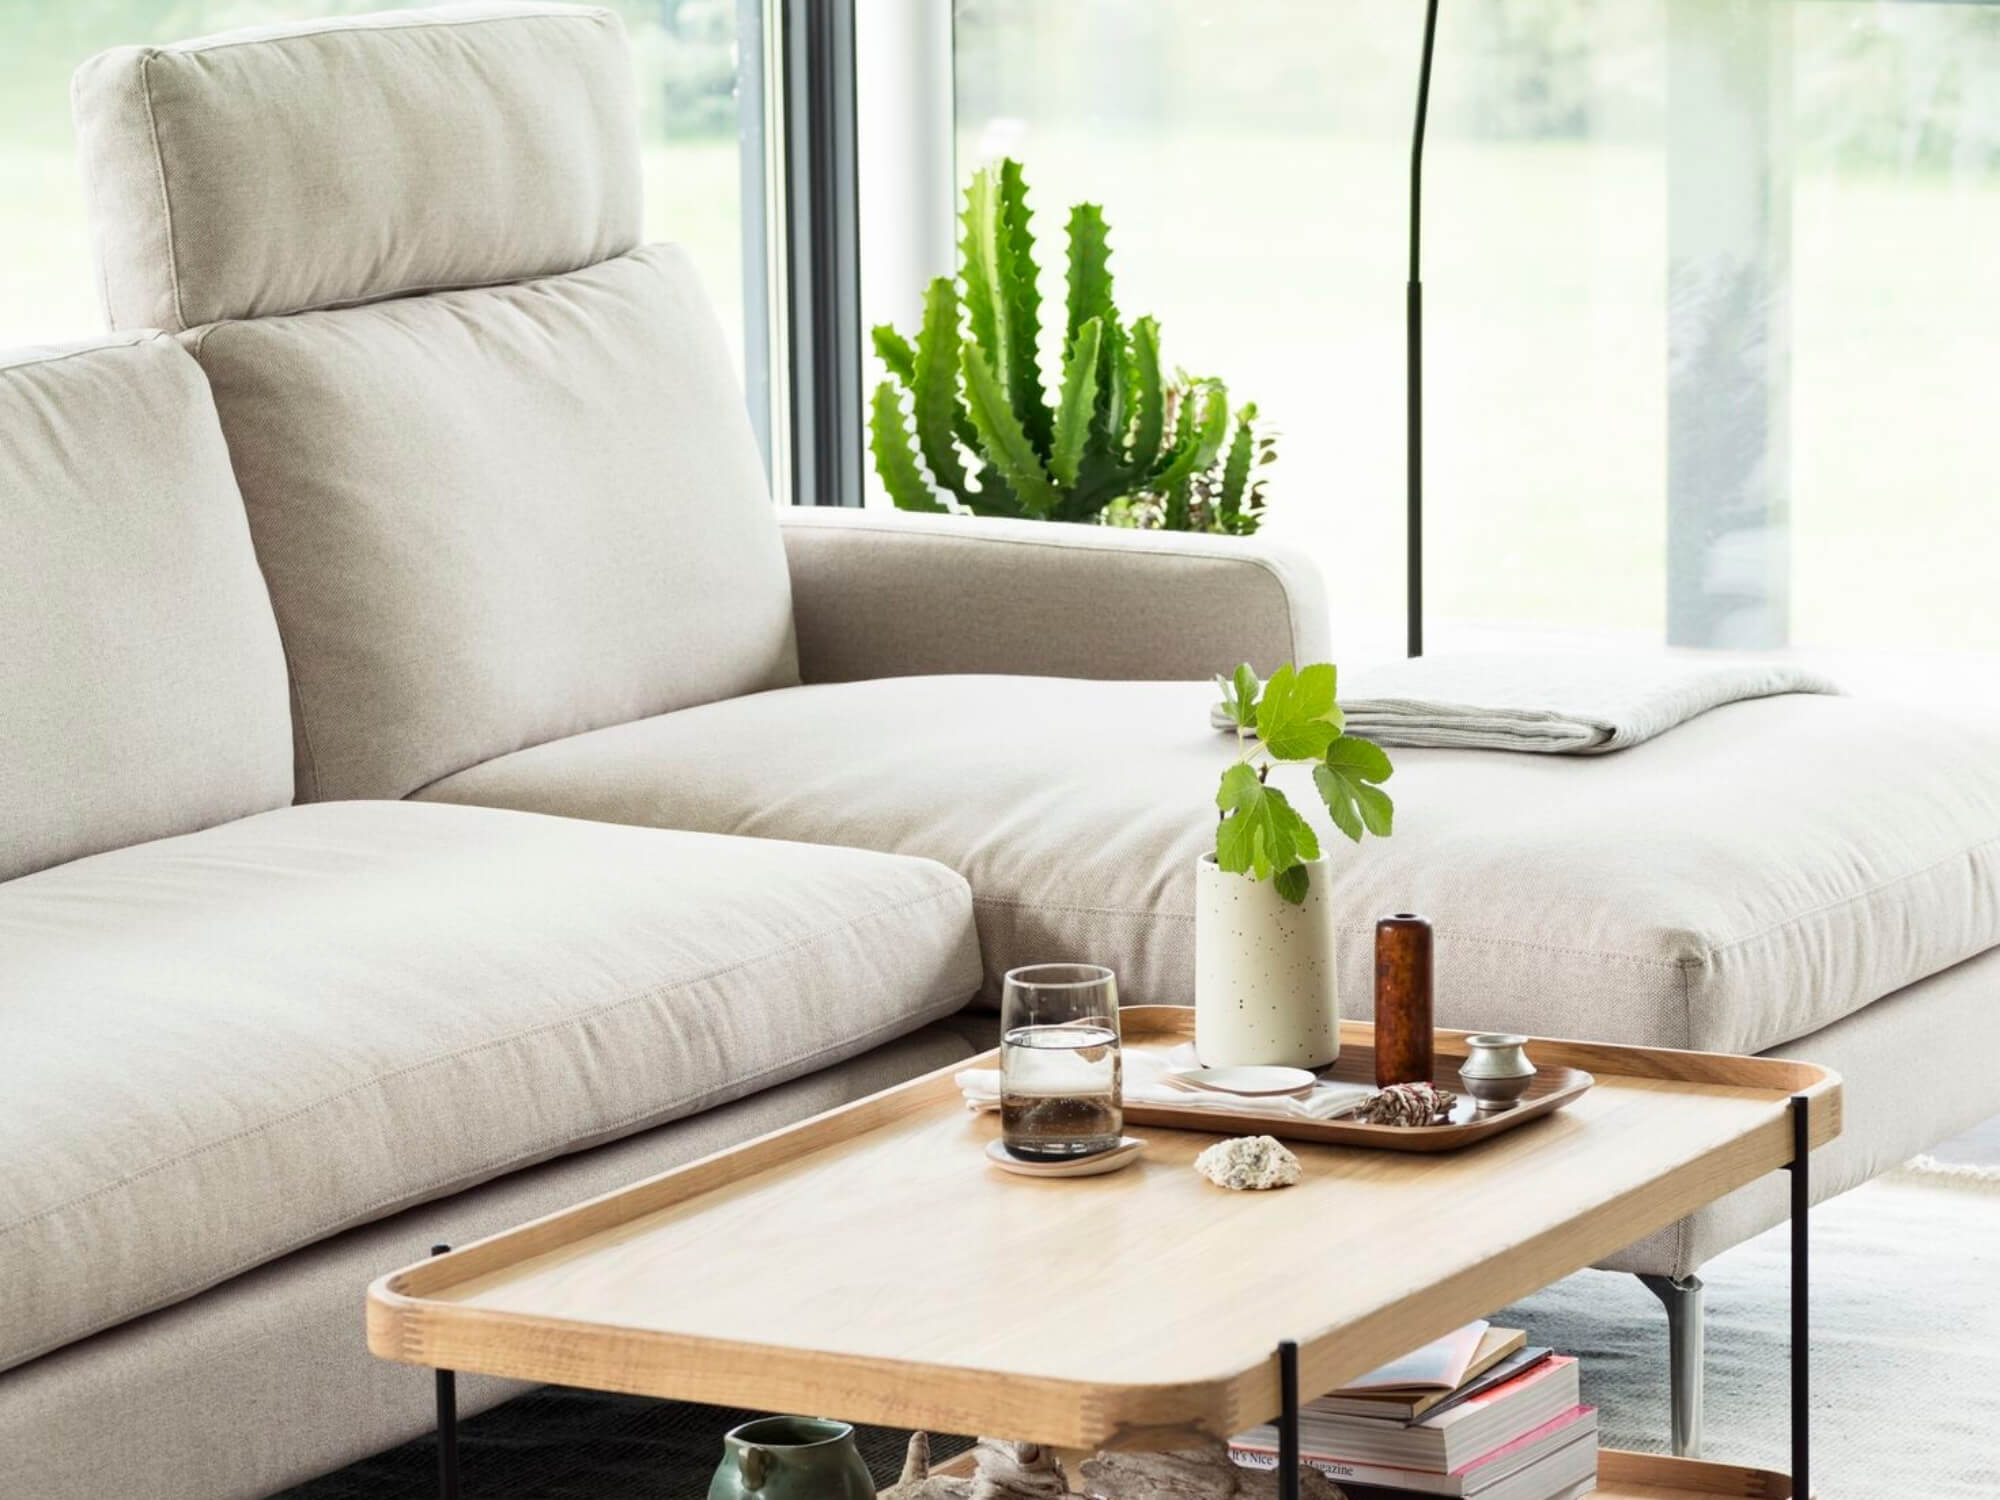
(1931, 1172)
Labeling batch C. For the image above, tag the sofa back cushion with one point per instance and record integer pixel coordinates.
(498, 468)
(282, 168)
(142, 687)
(495, 517)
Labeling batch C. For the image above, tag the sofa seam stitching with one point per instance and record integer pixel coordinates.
(149, 336)
(1682, 1229)
(651, 992)
(160, 173)
(596, 15)
(1119, 549)
(441, 288)
(371, 1213)
(1602, 956)
(1969, 852)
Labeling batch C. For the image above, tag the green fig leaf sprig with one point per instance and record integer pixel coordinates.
(1293, 718)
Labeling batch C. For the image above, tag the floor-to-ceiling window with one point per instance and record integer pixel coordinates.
(1713, 325)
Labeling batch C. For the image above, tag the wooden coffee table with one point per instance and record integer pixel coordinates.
(868, 1263)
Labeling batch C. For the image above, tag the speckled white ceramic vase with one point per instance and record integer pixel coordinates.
(1264, 986)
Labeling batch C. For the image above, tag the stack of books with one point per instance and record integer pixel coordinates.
(1478, 1415)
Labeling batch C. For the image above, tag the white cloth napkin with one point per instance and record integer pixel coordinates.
(1147, 1081)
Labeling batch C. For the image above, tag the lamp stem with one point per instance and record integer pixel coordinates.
(1414, 357)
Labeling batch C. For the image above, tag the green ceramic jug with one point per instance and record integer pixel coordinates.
(791, 1458)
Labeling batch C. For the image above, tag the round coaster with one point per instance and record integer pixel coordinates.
(1127, 1151)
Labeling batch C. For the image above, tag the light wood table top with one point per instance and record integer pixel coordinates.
(869, 1263)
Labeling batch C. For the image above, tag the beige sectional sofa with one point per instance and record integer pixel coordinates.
(434, 510)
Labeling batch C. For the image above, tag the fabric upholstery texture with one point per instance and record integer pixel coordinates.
(1732, 885)
(890, 594)
(142, 688)
(492, 518)
(267, 1380)
(290, 167)
(1915, 1068)
(227, 1045)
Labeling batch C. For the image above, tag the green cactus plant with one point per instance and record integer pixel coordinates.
(964, 422)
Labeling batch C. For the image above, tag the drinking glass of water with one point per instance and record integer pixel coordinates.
(1061, 1078)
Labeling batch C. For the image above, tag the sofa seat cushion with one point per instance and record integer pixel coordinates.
(223, 1046)
(1743, 880)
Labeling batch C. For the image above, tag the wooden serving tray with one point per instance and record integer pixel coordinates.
(1166, 1025)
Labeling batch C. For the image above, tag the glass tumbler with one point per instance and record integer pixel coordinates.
(1061, 1075)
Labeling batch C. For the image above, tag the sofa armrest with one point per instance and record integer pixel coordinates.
(895, 594)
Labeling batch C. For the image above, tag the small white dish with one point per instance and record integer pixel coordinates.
(1250, 1082)
(1128, 1150)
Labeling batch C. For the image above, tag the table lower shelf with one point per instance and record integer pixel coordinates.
(1651, 1476)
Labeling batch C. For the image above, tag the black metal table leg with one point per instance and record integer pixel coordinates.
(1288, 1421)
(1801, 1330)
(447, 1424)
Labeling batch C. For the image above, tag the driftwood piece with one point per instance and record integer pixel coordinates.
(1192, 1474)
(917, 1481)
(1017, 1471)
(1004, 1471)
(1024, 1471)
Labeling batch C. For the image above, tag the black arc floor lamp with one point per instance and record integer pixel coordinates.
(1414, 352)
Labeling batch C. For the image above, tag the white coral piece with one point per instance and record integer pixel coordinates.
(1249, 1162)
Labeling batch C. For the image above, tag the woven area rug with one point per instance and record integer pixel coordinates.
(1906, 1343)
(1906, 1371)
